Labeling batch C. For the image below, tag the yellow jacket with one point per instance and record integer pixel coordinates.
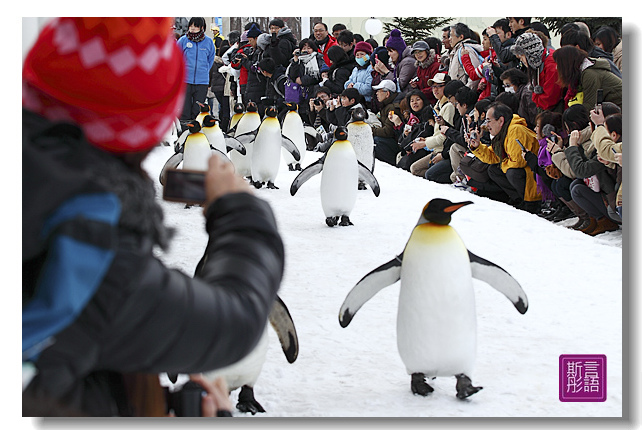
(517, 129)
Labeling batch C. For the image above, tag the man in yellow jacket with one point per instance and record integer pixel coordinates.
(508, 168)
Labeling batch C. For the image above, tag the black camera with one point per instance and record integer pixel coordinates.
(317, 101)
(297, 52)
(186, 402)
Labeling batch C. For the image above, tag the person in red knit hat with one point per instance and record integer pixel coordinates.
(98, 96)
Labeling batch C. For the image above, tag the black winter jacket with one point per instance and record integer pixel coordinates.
(338, 75)
(140, 316)
(281, 49)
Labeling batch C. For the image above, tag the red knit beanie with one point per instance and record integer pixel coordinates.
(119, 79)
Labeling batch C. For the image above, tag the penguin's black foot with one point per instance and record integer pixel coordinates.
(187, 206)
(291, 167)
(332, 221)
(247, 402)
(298, 167)
(362, 186)
(271, 186)
(465, 387)
(345, 220)
(257, 184)
(418, 385)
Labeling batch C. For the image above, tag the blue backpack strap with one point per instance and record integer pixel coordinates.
(81, 239)
(481, 59)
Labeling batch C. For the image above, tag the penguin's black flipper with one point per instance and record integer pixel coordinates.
(171, 163)
(312, 137)
(366, 175)
(381, 277)
(313, 169)
(282, 323)
(247, 138)
(500, 280)
(289, 146)
(234, 143)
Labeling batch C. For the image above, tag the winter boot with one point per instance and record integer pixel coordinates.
(590, 227)
(604, 224)
(583, 217)
(564, 213)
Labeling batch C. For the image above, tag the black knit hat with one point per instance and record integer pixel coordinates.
(254, 31)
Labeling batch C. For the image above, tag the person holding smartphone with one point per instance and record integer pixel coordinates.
(508, 168)
(91, 220)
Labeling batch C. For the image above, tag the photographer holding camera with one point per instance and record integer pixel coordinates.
(97, 302)
(304, 70)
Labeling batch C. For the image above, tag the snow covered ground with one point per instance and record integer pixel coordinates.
(573, 282)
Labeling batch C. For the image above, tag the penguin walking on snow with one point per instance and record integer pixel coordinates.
(293, 130)
(266, 152)
(218, 140)
(244, 373)
(360, 135)
(193, 150)
(341, 173)
(245, 132)
(239, 110)
(436, 322)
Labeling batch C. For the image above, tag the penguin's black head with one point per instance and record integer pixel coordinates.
(292, 106)
(204, 107)
(271, 112)
(358, 114)
(193, 127)
(341, 133)
(251, 107)
(209, 121)
(239, 108)
(439, 211)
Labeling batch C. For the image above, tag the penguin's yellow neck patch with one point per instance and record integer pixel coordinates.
(431, 232)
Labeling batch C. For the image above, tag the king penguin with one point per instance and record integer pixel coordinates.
(245, 372)
(341, 173)
(360, 135)
(218, 140)
(266, 154)
(293, 129)
(436, 318)
(239, 110)
(204, 111)
(196, 149)
(245, 133)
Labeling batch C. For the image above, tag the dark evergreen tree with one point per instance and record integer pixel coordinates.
(555, 24)
(415, 28)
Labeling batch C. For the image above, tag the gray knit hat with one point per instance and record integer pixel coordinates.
(529, 45)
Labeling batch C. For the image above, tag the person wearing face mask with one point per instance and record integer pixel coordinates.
(515, 81)
(199, 52)
(361, 76)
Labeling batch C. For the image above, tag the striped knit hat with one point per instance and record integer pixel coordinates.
(529, 45)
(119, 79)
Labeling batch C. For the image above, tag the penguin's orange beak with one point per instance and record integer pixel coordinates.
(452, 208)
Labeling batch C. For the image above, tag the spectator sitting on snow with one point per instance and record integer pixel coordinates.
(385, 137)
(339, 71)
(361, 76)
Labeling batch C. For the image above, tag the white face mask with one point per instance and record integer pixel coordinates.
(509, 89)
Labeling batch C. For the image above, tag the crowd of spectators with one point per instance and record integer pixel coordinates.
(499, 112)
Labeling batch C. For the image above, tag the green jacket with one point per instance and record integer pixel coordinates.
(599, 76)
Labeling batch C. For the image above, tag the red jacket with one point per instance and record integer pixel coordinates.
(477, 73)
(548, 81)
(331, 42)
(424, 75)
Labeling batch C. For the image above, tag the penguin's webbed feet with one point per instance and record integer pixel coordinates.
(331, 221)
(361, 186)
(291, 167)
(345, 220)
(257, 184)
(418, 385)
(271, 186)
(298, 167)
(465, 387)
(247, 402)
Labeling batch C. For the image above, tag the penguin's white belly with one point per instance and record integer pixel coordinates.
(196, 153)
(360, 135)
(339, 180)
(217, 140)
(293, 130)
(247, 370)
(436, 320)
(266, 155)
(243, 163)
